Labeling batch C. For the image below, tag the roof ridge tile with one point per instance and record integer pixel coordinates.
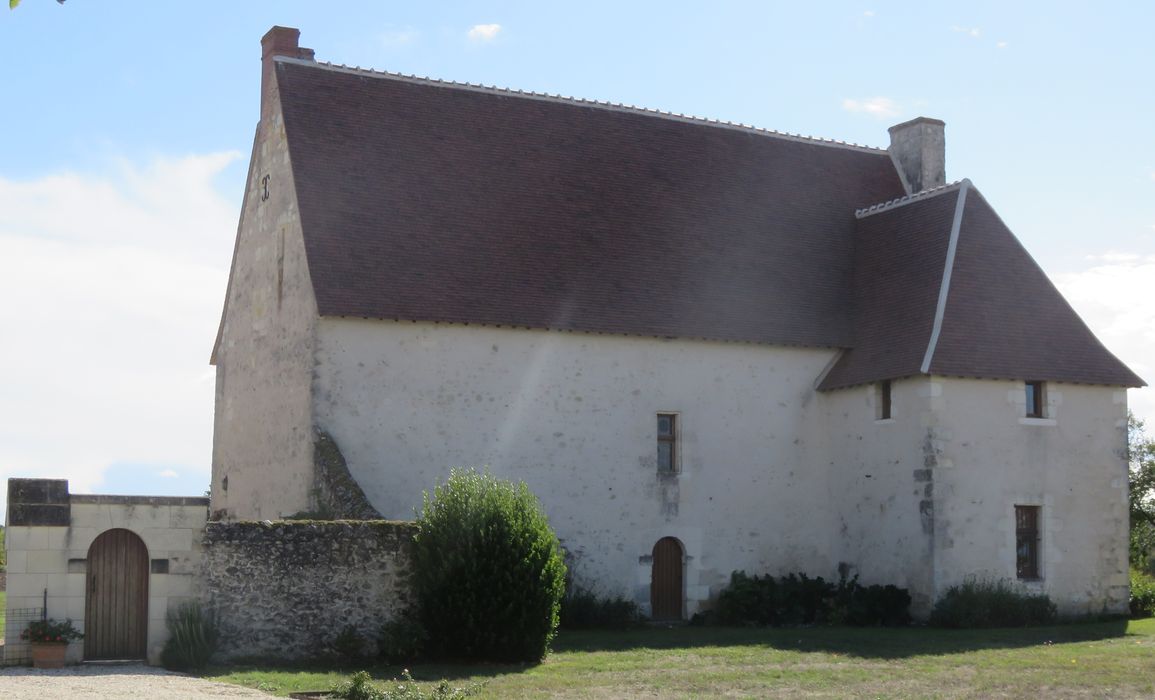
(908, 199)
(605, 104)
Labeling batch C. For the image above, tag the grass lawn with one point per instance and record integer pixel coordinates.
(1108, 659)
(3, 608)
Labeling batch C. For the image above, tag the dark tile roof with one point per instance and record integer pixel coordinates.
(898, 266)
(1003, 319)
(438, 202)
(430, 202)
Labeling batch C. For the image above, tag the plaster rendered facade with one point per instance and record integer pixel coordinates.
(773, 476)
(263, 423)
(926, 499)
(574, 416)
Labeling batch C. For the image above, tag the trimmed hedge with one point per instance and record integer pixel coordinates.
(487, 571)
(797, 599)
(583, 609)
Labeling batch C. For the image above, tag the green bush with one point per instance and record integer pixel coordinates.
(1142, 594)
(986, 603)
(401, 640)
(583, 609)
(361, 687)
(487, 570)
(192, 638)
(797, 599)
(349, 645)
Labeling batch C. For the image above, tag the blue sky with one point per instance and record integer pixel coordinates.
(126, 128)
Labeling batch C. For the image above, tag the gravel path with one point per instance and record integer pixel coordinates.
(113, 681)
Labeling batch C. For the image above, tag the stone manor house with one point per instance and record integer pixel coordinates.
(697, 342)
(706, 347)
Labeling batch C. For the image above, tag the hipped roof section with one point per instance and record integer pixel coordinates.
(942, 287)
(427, 201)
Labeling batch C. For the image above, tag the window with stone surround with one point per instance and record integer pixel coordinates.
(1036, 399)
(1027, 542)
(883, 401)
(667, 443)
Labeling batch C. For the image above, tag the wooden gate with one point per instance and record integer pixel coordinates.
(666, 580)
(116, 602)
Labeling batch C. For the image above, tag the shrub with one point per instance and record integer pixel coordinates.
(583, 609)
(487, 570)
(360, 687)
(401, 640)
(1142, 594)
(986, 603)
(349, 645)
(192, 638)
(798, 599)
(875, 605)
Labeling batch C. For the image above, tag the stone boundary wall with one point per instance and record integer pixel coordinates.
(286, 589)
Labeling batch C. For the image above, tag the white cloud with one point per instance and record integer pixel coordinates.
(393, 38)
(1113, 298)
(113, 284)
(484, 32)
(1001, 45)
(168, 474)
(973, 32)
(877, 107)
(868, 13)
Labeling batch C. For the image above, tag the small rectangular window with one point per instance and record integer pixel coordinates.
(1027, 542)
(667, 442)
(1035, 400)
(884, 404)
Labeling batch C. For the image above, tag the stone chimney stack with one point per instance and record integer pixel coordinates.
(918, 149)
(278, 41)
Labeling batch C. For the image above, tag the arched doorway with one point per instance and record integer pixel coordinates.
(116, 597)
(666, 581)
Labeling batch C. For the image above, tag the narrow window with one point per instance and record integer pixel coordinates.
(1035, 400)
(667, 441)
(884, 400)
(1027, 541)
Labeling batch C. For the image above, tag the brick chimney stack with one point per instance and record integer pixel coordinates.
(278, 41)
(918, 149)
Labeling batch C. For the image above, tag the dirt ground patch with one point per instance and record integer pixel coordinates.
(113, 681)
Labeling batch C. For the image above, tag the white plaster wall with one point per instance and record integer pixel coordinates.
(38, 560)
(1071, 464)
(574, 416)
(879, 484)
(263, 440)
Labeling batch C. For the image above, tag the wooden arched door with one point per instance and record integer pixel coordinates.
(116, 598)
(666, 581)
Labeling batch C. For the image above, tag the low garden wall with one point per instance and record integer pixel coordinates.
(287, 589)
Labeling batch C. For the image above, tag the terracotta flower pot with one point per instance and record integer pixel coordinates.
(48, 655)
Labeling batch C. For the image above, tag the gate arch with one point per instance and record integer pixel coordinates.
(116, 597)
(666, 586)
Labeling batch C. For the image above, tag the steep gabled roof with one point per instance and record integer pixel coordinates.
(942, 287)
(426, 201)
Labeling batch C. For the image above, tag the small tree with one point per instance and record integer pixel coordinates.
(1141, 460)
(488, 570)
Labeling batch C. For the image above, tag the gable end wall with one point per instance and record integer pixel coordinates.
(263, 436)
